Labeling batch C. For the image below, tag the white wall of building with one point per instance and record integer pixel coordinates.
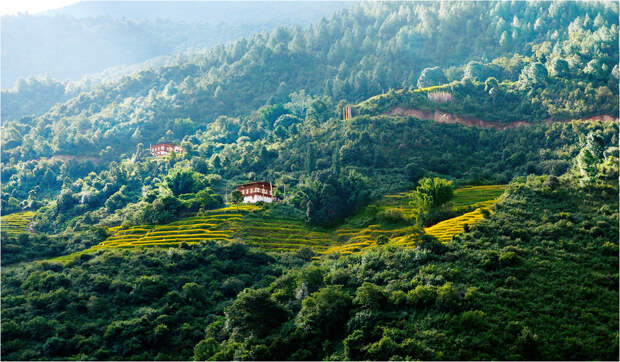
(256, 198)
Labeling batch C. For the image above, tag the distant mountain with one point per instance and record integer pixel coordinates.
(86, 38)
(213, 12)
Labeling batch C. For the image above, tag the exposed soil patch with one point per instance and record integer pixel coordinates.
(66, 157)
(443, 117)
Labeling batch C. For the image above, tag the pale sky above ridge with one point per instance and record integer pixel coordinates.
(13, 7)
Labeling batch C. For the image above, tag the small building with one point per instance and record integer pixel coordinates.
(162, 149)
(440, 97)
(254, 192)
(346, 113)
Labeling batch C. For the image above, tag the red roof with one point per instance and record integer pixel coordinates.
(255, 184)
(163, 144)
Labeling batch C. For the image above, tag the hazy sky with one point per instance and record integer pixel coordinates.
(9, 7)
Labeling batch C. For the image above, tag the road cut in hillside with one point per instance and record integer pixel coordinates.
(444, 117)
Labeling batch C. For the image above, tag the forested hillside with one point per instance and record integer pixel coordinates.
(446, 178)
(524, 285)
(531, 282)
(358, 53)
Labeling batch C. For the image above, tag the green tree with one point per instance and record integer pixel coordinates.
(432, 192)
(559, 68)
(236, 198)
(117, 200)
(430, 77)
(254, 312)
(370, 296)
(533, 75)
(324, 312)
(183, 181)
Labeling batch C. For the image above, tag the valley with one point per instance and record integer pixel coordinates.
(340, 181)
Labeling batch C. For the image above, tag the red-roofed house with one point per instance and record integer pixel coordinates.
(254, 192)
(162, 149)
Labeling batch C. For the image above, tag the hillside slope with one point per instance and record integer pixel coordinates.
(358, 53)
(254, 226)
(537, 280)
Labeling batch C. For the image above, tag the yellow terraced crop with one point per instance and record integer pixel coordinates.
(17, 223)
(445, 230)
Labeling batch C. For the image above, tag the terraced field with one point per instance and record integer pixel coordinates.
(476, 196)
(189, 230)
(16, 223)
(355, 240)
(359, 239)
(246, 224)
(226, 224)
(445, 230)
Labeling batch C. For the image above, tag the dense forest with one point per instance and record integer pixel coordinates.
(357, 54)
(533, 85)
(470, 299)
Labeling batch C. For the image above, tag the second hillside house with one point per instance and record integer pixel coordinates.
(162, 149)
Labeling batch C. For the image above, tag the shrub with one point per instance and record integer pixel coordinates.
(398, 298)
(508, 258)
(472, 319)
(370, 296)
(383, 350)
(422, 295)
(490, 260)
(354, 345)
(447, 296)
(393, 216)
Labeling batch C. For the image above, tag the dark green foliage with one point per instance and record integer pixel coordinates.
(116, 201)
(236, 197)
(123, 305)
(329, 197)
(163, 210)
(559, 68)
(324, 313)
(27, 246)
(370, 296)
(254, 312)
(183, 182)
(168, 208)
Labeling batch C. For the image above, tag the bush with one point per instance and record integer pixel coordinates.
(490, 260)
(447, 297)
(422, 295)
(508, 258)
(392, 216)
(370, 296)
(472, 319)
